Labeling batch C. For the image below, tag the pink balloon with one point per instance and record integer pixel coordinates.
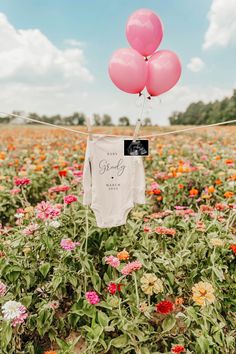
(164, 70)
(144, 31)
(128, 70)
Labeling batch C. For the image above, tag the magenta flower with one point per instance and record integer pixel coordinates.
(21, 181)
(92, 297)
(68, 245)
(78, 173)
(68, 199)
(112, 261)
(131, 267)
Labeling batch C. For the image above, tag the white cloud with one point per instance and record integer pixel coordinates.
(196, 64)
(74, 42)
(29, 56)
(222, 24)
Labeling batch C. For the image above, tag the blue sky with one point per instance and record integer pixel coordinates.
(62, 67)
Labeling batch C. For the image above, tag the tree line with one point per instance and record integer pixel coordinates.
(77, 118)
(200, 113)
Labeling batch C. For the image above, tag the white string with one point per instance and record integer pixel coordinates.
(188, 129)
(140, 137)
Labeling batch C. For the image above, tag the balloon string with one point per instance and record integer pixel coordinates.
(118, 135)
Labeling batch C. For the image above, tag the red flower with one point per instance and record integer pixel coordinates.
(22, 181)
(165, 307)
(111, 288)
(233, 248)
(62, 173)
(177, 349)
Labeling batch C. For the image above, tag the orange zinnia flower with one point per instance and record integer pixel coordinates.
(211, 189)
(218, 181)
(193, 192)
(229, 194)
(50, 352)
(123, 255)
(180, 186)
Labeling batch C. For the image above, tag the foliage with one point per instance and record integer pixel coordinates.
(207, 113)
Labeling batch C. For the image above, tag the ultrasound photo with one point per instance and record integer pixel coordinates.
(136, 148)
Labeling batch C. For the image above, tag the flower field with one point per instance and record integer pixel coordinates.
(162, 283)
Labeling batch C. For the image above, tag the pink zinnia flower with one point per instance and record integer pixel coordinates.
(30, 229)
(92, 297)
(68, 199)
(15, 191)
(78, 173)
(22, 181)
(68, 245)
(3, 289)
(112, 261)
(46, 210)
(154, 186)
(165, 231)
(147, 229)
(22, 316)
(131, 267)
(57, 189)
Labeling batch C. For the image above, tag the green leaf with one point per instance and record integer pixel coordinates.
(44, 269)
(103, 319)
(168, 323)
(203, 344)
(26, 300)
(6, 334)
(120, 341)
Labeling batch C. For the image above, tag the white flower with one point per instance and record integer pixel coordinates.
(19, 215)
(11, 309)
(55, 224)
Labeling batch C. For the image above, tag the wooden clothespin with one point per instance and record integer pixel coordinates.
(136, 130)
(89, 128)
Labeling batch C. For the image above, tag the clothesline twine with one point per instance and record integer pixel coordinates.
(115, 135)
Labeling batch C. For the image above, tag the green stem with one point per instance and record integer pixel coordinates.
(86, 245)
(136, 290)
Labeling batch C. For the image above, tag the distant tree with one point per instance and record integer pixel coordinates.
(106, 120)
(97, 119)
(147, 122)
(207, 113)
(77, 118)
(124, 121)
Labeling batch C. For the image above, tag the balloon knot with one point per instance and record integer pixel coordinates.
(140, 94)
(146, 58)
(149, 97)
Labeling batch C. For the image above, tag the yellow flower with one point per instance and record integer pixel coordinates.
(151, 284)
(216, 242)
(203, 293)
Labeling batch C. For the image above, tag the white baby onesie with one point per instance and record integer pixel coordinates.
(112, 182)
